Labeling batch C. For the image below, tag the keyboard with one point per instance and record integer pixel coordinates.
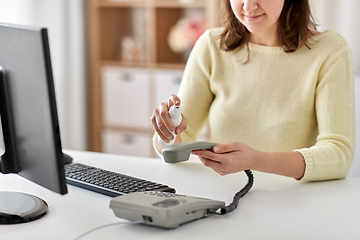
(108, 183)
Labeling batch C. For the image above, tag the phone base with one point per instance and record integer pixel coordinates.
(166, 210)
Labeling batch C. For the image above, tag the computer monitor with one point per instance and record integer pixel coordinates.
(29, 133)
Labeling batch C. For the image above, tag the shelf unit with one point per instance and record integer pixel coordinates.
(113, 106)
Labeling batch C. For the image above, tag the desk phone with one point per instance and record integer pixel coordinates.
(170, 210)
(167, 210)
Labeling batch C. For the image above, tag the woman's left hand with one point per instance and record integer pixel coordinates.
(229, 158)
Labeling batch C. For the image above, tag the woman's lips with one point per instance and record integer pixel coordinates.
(251, 18)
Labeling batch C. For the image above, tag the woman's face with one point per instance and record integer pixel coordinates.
(260, 17)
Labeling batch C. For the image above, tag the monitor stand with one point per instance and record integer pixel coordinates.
(17, 207)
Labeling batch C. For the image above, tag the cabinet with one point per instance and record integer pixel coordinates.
(137, 50)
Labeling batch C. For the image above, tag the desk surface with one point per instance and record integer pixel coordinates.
(276, 207)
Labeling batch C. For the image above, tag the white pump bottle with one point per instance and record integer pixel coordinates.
(176, 118)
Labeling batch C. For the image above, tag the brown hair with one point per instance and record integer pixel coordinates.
(294, 27)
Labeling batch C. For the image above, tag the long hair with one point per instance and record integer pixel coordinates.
(294, 27)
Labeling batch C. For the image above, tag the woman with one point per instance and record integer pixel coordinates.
(277, 94)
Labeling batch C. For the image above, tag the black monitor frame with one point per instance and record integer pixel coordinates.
(29, 120)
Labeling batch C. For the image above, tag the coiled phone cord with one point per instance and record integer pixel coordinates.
(232, 206)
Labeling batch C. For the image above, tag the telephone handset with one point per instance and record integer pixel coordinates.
(181, 152)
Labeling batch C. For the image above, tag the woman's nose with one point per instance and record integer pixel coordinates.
(250, 5)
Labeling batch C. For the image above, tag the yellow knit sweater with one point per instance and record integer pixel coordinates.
(301, 101)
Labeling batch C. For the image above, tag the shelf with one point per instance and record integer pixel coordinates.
(177, 66)
(123, 64)
(142, 39)
(165, 20)
(179, 4)
(115, 25)
(122, 3)
(129, 129)
(153, 3)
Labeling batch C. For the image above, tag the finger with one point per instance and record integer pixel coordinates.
(210, 163)
(216, 166)
(207, 154)
(220, 172)
(161, 127)
(157, 130)
(183, 125)
(225, 148)
(173, 99)
(165, 118)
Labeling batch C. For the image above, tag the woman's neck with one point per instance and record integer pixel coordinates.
(265, 39)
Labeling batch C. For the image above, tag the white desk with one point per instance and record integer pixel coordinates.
(276, 207)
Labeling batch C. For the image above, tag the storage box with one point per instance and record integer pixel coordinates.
(125, 95)
(167, 82)
(127, 143)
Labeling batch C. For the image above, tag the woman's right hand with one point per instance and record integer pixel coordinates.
(162, 123)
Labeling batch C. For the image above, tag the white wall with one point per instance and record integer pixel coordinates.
(65, 24)
(355, 168)
(343, 16)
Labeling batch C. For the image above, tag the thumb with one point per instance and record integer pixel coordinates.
(225, 148)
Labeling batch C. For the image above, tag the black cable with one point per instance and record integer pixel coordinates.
(232, 206)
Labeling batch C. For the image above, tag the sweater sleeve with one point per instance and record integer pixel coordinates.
(195, 93)
(331, 156)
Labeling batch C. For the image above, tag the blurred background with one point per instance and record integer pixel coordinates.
(116, 60)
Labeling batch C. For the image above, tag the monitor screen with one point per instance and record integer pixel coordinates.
(30, 140)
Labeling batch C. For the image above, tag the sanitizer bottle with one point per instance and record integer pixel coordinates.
(176, 118)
